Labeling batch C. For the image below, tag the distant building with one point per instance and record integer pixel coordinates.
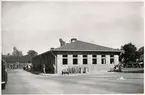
(15, 62)
(77, 57)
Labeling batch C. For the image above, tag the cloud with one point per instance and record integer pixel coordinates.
(39, 25)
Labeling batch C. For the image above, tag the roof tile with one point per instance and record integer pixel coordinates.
(83, 46)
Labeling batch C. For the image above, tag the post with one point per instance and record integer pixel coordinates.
(98, 59)
(59, 63)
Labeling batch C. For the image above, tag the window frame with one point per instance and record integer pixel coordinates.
(85, 57)
(64, 57)
(75, 57)
(103, 57)
(111, 58)
(94, 57)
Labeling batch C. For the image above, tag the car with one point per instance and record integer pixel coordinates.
(4, 75)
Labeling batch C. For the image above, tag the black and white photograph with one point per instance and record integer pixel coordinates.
(72, 47)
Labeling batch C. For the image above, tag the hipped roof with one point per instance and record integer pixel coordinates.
(84, 46)
(17, 59)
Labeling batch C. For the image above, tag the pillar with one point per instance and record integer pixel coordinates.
(70, 60)
(59, 63)
(116, 59)
(107, 59)
(98, 59)
(89, 59)
(80, 59)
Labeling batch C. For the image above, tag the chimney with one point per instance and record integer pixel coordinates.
(73, 40)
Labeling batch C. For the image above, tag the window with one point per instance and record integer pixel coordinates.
(111, 55)
(64, 60)
(75, 55)
(75, 59)
(94, 55)
(94, 59)
(84, 55)
(103, 59)
(85, 59)
(64, 55)
(111, 59)
(103, 55)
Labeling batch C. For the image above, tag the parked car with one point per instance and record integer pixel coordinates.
(4, 75)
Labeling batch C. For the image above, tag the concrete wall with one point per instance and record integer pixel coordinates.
(55, 65)
(59, 64)
(107, 59)
(98, 59)
(91, 68)
(116, 59)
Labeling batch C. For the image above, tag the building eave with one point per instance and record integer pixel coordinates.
(67, 50)
(91, 50)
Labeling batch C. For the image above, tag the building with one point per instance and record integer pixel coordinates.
(15, 62)
(76, 57)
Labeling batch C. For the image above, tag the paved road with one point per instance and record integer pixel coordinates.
(22, 82)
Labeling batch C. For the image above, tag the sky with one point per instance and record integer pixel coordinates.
(39, 25)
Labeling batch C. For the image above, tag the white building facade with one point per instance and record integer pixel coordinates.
(93, 63)
(77, 57)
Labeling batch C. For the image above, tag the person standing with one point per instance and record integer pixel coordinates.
(44, 68)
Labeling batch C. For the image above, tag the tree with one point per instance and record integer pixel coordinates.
(129, 54)
(16, 52)
(32, 53)
(140, 52)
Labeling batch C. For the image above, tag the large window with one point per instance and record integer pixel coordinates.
(85, 61)
(103, 59)
(64, 56)
(111, 59)
(64, 60)
(94, 59)
(75, 59)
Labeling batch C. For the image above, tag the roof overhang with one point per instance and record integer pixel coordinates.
(68, 50)
(92, 50)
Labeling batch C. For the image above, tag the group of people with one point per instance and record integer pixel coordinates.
(75, 70)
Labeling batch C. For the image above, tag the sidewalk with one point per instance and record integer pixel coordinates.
(45, 74)
(82, 74)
